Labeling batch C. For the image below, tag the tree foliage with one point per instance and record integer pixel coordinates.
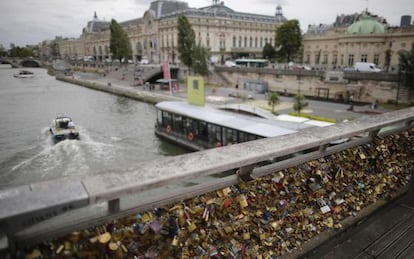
(21, 52)
(289, 40)
(119, 43)
(273, 100)
(299, 102)
(192, 55)
(200, 55)
(406, 68)
(269, 52)
(186, 41)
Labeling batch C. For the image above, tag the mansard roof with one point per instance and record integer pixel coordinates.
(220, 10)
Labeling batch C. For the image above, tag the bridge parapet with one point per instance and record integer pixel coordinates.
(37, 205)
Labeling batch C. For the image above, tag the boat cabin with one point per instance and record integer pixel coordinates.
(198, 127)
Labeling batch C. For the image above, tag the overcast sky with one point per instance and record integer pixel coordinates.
(32, 21)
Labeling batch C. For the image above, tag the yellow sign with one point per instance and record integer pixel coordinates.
(195, 90)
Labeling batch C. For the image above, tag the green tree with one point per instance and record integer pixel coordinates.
(289, 40)
(200, 55)
(406, 68)
(273, 100)
(299, 102)
(269, 52)
(186, 41)
(119, 43)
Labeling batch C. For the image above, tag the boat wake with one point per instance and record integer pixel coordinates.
(49, 160)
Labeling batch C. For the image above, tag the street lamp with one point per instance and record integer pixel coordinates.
(299, 78)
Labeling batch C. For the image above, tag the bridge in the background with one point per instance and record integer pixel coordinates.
(21, 62)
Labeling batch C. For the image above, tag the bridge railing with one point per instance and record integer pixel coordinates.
(43, 210)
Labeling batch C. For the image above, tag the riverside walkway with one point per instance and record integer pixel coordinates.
(382, 238)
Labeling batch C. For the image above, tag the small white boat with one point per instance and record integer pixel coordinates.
(63, 128)
(24, 74)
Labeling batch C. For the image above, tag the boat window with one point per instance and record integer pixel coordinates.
(231, 136)
(188, 125)
(177, 122)
(159, 117)
(166, 118)
(243, 137)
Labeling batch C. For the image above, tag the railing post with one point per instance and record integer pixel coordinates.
(113, 206)
(244, 173)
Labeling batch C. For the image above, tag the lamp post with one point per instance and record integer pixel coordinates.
(299, 82)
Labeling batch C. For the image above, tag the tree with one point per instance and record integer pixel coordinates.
(119, 43)
(406, 68)
(186, 41)
(269, 52)
(289, 39)
(200, 55)
(299, 102)
(273, 100)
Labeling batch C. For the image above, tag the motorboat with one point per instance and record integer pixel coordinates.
(63, 128)
(24, 74)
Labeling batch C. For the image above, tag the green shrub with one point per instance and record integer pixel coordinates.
(312, 117)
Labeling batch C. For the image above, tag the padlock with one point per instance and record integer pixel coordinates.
(191, 226)
(242, 201)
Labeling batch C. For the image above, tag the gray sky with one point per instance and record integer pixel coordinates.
(32, 21)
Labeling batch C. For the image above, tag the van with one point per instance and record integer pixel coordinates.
(366, 67)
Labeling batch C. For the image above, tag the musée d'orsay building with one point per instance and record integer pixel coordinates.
(223, 31)
(231, 34)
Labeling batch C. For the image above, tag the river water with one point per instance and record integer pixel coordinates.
(115, 132)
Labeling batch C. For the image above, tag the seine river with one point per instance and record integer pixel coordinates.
(115, 132)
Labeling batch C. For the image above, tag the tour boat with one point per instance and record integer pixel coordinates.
(198, 128)
(24, 74)
(63, 128)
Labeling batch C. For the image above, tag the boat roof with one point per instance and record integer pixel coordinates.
(62, 117)
(254, 125)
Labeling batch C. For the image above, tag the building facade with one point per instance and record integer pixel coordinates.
(225, 32)
(356, 38)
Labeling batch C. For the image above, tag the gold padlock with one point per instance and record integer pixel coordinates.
(243, 201)
(191, 226)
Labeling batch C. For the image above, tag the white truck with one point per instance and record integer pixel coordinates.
(366, 67)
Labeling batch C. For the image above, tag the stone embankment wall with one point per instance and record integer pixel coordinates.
(314, 83)
(149, 97)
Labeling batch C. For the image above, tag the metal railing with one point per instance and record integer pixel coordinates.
(38, 211)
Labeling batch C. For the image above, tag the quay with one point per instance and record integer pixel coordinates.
(187, 188)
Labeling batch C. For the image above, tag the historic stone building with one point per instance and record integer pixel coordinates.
(225, 32)
(356, 38)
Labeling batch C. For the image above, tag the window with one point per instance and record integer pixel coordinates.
(234, 41)
(335, 59)
(376, 59)
(364, 58)
(317, 57)
(351, 60)
(342, 59)
(325, 59)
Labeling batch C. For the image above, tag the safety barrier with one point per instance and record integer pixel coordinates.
(39, 211)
